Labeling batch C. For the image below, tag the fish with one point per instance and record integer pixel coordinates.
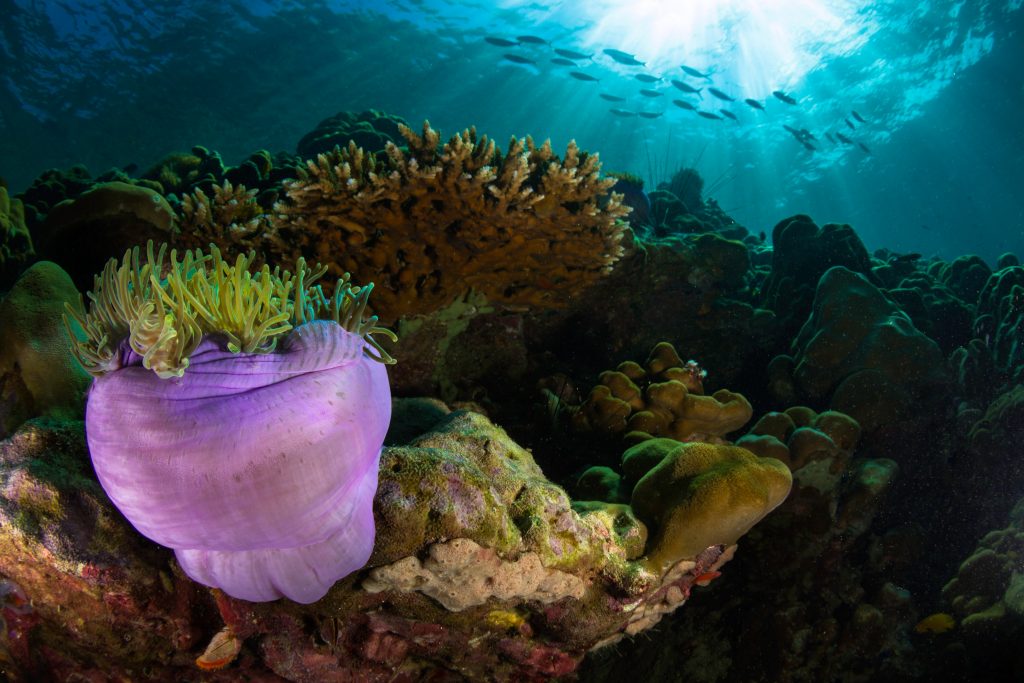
(754, 103)
(686, 87)
(864, 147)
(623, 57)
(611, 98)
(720, 95)
(571, 54)
(518, 59)
(852, 127)
(650, 93)
(830, 138)
(906, 258)
(857, 116)
(646, 78)
(843, 139)
(622, 112)
(940, 622)
(531, 40)
(729, 114)
(563, 61)
(709, 115)
(690, 71)
(808, 146)
(706, 578)
(683, 104)
(500, 42)
(783, 96)
(806, 134)
(580, 76)
(649, 114)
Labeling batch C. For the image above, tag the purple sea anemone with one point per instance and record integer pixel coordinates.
(257, 464)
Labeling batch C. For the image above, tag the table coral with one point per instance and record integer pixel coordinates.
(428, 222)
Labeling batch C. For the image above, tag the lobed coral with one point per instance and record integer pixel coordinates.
(15, 241)
(662, 398)
(430, 222)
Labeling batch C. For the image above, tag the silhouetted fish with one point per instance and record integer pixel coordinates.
(571, 54)
(808, 146)
(650, 93)
(905, 258)
(532, 40)
(650, 114)
(623, 57)
(830, 138)
(852, 127)
(686, 87)
(864, 147)
(857, 116)
(622, 112)
(754, 103)
(611, 98)
(693, 72)
(843, 139)
(563, 61)
(709, 115)
(646, 78)
(683, 104)
(728, 114)
(720, 95)
(783, 96)
(500, 42)
(517, 59)
(580, 76)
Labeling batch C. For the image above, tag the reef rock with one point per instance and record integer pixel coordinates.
(482, 569)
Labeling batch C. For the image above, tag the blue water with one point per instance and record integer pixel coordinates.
(939, 85)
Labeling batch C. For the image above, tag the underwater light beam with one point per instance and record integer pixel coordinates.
(756, 45)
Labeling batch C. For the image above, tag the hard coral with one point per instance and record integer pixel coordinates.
(15, 242)
(429, 223)
(664, 399)
(38, 375)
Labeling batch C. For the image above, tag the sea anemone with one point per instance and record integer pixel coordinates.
(229, 422)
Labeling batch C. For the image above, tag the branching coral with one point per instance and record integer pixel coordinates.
(164, 309)
(429, 223)
(230, 218)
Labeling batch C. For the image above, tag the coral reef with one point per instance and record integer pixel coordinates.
(457, 504)
(857, 346)
(664, 397)
(15, 242)
(821, 611)
(801, 253)
(430, 223)
(38, 375)
(371, 130)
(82, 233)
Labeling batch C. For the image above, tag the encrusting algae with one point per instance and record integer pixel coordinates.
(163, 309)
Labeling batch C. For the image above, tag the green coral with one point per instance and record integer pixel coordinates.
(164, 316)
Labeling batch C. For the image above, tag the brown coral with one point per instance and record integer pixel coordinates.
(665, 399)
(232, 218)
(429, 223)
